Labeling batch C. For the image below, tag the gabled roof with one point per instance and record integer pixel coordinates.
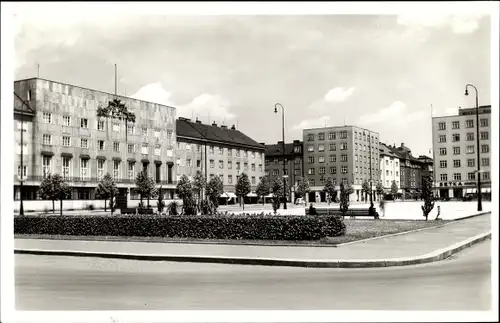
(277, 150)
(193, 130)
(386, 151)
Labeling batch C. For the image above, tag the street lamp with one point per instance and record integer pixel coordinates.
(370, 152)
(283, 154)
(479, 199)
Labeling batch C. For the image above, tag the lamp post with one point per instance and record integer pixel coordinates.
(479, 199)
(370, 152)
(283, 154)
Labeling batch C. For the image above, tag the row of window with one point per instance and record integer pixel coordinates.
(484, 135)
(470, 163)
(322, 181)
(468, 124)
(387, 162)
(471, 176)
(277, 161)
(389, 173)
(276, 172)
(253, 179)
(332, 169)
(211, 150)
(331, 135)
(469, 150)
(221, 164)
(101, 126)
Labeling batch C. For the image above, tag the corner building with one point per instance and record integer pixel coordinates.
(63, 135)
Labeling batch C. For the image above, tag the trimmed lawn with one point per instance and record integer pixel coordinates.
(355, 230)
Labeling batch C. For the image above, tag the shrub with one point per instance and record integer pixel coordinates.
(141, 205)
(89, 207)
(207, 207)
(220, 226)
(172, 208)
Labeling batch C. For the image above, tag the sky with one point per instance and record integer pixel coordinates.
(382, 72)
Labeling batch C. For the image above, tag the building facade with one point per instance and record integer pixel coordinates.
(62, 134)
(218, 151)
(455, 152)
(294, 163)
(343, 154)
(410, 170)
(389, 168)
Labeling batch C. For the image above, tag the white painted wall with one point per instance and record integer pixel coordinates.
(390, 171)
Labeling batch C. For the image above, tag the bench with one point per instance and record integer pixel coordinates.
(353, 213)
(128, 210)
(145, 211)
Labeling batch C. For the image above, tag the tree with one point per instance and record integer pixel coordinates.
(380, 189)
(243, 188)
(394, 190)
(106, 189)
(215, 188)
(145, 186)
(263, 188)
(302, 187)
(330, 189)
(160, 203)
(54, 187)
(365, 188)
(345, 191)
(198, 185)
(185, 193)
(427, 195)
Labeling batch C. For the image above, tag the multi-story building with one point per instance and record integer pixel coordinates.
(410, 169)
(343, 154)
(218, 151)
(62, 134)
(389, 168)
(455, 152)
(294, 163)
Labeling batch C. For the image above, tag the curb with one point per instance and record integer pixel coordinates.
(362, 263)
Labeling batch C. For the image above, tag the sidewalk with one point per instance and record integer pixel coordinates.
(407, 246)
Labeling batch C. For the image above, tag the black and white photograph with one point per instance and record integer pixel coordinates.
(249, 161)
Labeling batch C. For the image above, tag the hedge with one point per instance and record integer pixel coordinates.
(221, 226)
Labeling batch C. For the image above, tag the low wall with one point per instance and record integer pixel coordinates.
(413, 210)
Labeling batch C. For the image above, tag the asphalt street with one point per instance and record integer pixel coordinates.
(462, 282)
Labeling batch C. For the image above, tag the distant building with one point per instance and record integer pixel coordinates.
(410, 169)
(389, 168)
(341, 153)
(218, 151)
(294, 163)
(455, 148)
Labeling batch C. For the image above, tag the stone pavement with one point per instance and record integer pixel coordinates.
(400, 246)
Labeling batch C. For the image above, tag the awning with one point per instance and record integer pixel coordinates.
(169, 163)
(231, 194)
(224, 195)
(70, 155)
(485, 190)
(251, 194)
(47, 153)
(158, 162)
(117, 158)
(84, 156)
(146, 161)
(101, 157)
(132, 160)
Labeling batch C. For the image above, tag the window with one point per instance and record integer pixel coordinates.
(100, 168)
(276, 161)
(237, 165)
(47, 139)
(116, 127)
(321, 136)
(144, 149)
(65, 167)
(230, 179)
(333, 158)
(321, 170)
(321, 148)
(333, 147)
(457, 176)
(169, 136)
(275, 172)
(211, 149)
(310, 137)
(343, 169)
(455, 125)
(46, 166)
(343, 158)
(237, 153)
(116, 169)
(84, 143)
(310, 159)
(229, 165)
(469, 136)
(471, 162)
(310, 148)
(101, 145)
(253, 180)
(221, 164)
(130, 129)
(456, 150)
(356, 146)
(343, 146)
(198, 163)
(310, 171)
(331, 136)
(343, 135)
(245, 153)
(442, 138)
(469, 123)
(144, 132)
(485, 162)
(66, 141)
(157, 133)
(253, 167)
(312, 182)
(486, 176)
(131, 171)
(484, 122)
(260, 166)
(221, 150)
(47, 117)
(245, 167)
(442, 125)
(484, 135)
(84, 169)
(212, 163)
(25, 171)
(84, 123)
(456, 163)
(485, 148)
(471, 176)
(131, 148)
(443, 164)
(442, 151)
(333, 170)
(66, 121)
(444, 177)
(116, 147)
(469, 149)
(321, 159)
(296, 172)
(455, 137)
(157, 150)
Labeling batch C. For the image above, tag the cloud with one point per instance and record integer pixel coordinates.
(312, 123)
(338, 94)
(154, 92)
(397, 112)
(207, 104)
(459, 24)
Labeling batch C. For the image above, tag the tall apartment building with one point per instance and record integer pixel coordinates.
(389, 168)
(341, 153)
(294, 163)
(218, 151)
(63, 135)
(455, 152)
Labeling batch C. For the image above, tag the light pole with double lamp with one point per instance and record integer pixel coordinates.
(283, 153)
(479, 199)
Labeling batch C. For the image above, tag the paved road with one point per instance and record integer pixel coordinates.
(462, 282)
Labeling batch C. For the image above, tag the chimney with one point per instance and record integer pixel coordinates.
(223, 126)
(402, 145)
(198, 121)
(233, 127)
(262, 143)
(184, 119)
(214, 124)
(280, 142)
